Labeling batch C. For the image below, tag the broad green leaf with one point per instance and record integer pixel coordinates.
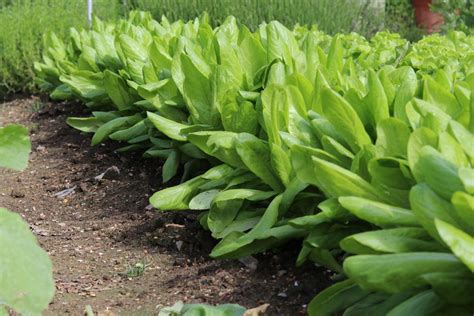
(405, 94)
(376, 304)
(335, 55)
(240, 118)
(325, 258)
(392, 177)
(361, 161)
(108, 128)
(219, 144)
(203, 200)
(453, 288)
(180, 309)
(377, 213)
(335, 181)
(392, 137)
(439, 174)
(334, 148)
(342, 115)
(452, 151)
(130, 133)
(26, 279)
(85, 124)
(427, 206)
(178, 197)
(464, 138)
(422, 304)
(431, 116)
(309, 221)
(170, 167)
(256, 156)
(226, 205)
(394, 273)
(464, 206)
(394, 240)
(376, 100)
(281, 164)
(197, 94)
(467, 178)
(15, 147)
(168, 127)
(420, 138)
(334, 210)
(336, 298)
(460, 242)
(118, 90)
(234, 246)
(441, 97)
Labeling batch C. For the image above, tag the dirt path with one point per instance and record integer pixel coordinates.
(102, 227)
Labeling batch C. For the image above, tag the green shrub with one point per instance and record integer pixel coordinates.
(331, 16)
(22, 24)
(457, 14)
(400, 18)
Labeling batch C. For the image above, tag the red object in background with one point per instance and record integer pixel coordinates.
(426, 19)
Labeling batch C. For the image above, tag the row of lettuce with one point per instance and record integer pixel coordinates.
(363, 149)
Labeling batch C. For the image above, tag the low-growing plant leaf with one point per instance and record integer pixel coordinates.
(221, 145)
(467, 178)
(203, 200)
(377, 213)
(392, 137)
(169, 128)
(452, 288)
(256, 156)
(15, 147)
(460, 242)
(464, 205)
(336, 298)
(439, 174)
(170, 167)
(85, 124)
(419, 138)
(336, 181)
(394, 273)
(427, 206)
(26, 280)
(394, 240)
(421, 304)
(342, 115)
(103, 132)
(177, 197)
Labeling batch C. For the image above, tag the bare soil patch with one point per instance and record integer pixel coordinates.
(94, 233)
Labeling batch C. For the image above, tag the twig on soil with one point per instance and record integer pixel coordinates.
(62, 194)
(101, 176)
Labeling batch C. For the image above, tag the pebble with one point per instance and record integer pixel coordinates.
(17, 194)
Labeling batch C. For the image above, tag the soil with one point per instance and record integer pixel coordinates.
(100, 229)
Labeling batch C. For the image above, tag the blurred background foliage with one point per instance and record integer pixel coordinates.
(23, 22)
(22, 25)
(457, 14)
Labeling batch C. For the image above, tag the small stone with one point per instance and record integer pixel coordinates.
(282, 295)
(17, 194)
(250, 262)
(40, 148)
(83, 187)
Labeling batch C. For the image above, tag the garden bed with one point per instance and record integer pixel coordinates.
(95, 232)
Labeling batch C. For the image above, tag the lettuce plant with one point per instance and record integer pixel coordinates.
(360, 148)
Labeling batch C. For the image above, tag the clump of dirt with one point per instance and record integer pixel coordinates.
(101, 233)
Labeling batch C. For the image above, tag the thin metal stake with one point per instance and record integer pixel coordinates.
(89, 12)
